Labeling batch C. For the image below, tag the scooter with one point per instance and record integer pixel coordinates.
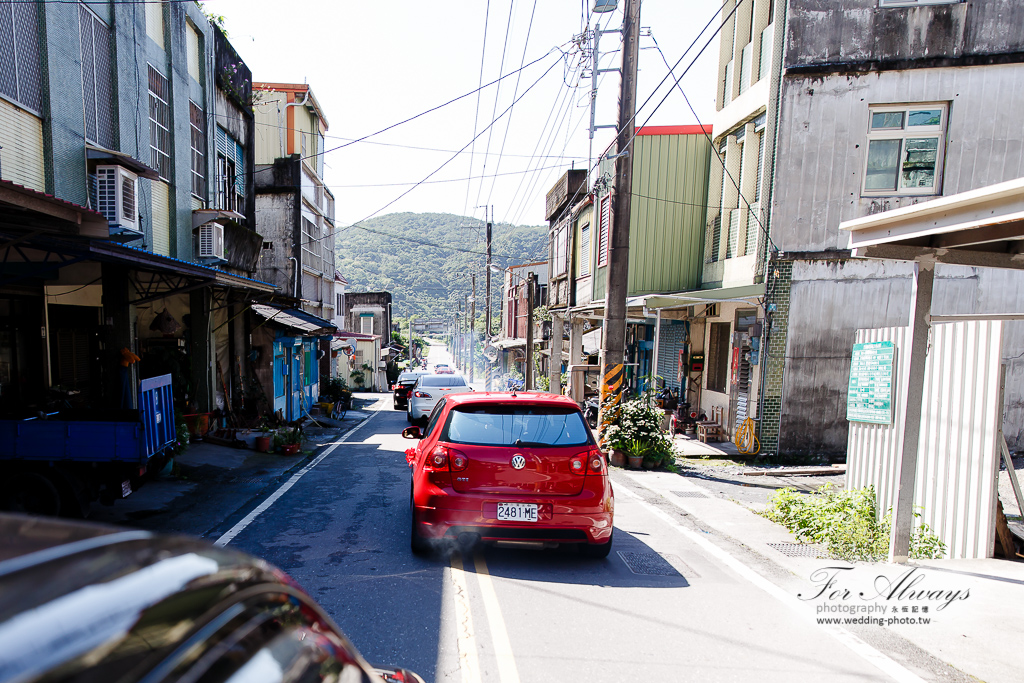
(590, 409)
(685, 420)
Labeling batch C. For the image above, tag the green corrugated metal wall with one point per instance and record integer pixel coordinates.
(668, 214)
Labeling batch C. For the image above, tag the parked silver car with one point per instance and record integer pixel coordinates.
(428, 390)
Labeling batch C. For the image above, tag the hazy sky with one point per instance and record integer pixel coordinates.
(374, 63)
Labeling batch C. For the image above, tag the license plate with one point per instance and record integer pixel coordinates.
(517, 512)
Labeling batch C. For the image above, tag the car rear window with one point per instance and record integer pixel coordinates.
(409, 376)
(498, 425)
(439, 381)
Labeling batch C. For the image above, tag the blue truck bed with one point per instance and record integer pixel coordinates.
(93, 440)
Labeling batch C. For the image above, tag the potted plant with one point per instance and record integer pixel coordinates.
(635, 453)
(290, 440)
(263, 441)
(637, 421)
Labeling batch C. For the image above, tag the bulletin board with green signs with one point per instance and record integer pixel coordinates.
(872, 383)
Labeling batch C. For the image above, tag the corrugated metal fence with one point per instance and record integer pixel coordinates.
(958, 457)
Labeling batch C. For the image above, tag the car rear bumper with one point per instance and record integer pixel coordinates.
(420, 409)
(586, 518)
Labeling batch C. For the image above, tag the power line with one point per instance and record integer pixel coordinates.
(452, 180)
(449, 160)
(497, 92)
(428, 111)
(476, 116)
(761, 226)
(508, 126)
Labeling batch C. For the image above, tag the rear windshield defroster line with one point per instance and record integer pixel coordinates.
(501, 425)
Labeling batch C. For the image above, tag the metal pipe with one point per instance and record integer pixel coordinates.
(295, 286)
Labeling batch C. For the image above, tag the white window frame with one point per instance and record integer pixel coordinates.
(157, 154)
(197, 140)
(902, 134)
(585, 248)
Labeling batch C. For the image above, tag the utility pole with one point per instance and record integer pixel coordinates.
(487, 297)
(613, 370)
(472, 331)
(531, 278)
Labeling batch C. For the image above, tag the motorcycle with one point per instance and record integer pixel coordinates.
(684, 420)
(590, 410)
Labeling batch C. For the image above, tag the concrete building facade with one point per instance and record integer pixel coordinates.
(883, 105)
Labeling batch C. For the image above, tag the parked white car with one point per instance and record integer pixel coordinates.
(428, 390)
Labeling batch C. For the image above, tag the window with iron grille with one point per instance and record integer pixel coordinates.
(311, 246)
(97, 79)
(230, 182)
(226, 197)
(197, 122)
(20, 54)
(160, 123)
(604, 226)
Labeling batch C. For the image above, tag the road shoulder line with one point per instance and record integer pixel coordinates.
(851, 641)
(231, 533)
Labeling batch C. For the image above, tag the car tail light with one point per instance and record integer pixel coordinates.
(457, 460)
(597, 465)
(578, 464)
(438, 460)
(421, 394)
(693, 416)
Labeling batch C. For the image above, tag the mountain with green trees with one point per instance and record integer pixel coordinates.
(426, 259)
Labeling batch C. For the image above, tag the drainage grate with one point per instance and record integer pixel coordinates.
(800, 550)
(689, 494)
(648, 564)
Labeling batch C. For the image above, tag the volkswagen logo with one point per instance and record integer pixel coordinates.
(518, 462)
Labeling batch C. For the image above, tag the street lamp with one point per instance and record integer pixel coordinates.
(530, 281)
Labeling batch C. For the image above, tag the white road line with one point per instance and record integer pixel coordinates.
(858, 646)
(469, 664)
(265, 505)
(507, 671)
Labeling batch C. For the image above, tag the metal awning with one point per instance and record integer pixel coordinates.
(983, 227)
(296, 319)
(638, 308)
(140, 169)
(739, 294)
(510, 343)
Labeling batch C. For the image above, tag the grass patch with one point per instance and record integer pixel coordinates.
(845, 522)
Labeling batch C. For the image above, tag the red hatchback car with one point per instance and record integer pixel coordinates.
(509, 467)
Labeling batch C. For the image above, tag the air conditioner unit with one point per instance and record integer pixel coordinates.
(210, 241)
(116, 198)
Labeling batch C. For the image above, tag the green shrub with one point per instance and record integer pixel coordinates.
(846, 523)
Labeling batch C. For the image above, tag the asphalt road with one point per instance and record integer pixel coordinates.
(671, 602)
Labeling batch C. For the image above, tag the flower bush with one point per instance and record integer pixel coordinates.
(637, 430)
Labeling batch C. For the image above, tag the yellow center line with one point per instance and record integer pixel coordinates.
(469, 664)
(507, 671)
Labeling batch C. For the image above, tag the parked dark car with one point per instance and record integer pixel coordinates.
(403, 385)
(82, 602)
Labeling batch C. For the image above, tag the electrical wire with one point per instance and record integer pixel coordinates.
(497, 93)
(760, 224)
(450, 180)
(449, 160)
(508, 126)
(476, 116)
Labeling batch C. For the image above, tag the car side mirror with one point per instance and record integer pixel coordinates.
(412, 433)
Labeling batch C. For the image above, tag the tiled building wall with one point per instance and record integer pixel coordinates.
(777, 291)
